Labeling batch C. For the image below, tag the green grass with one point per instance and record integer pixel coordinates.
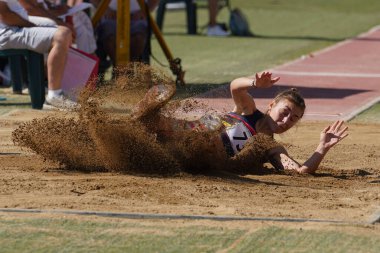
(285, 30)
(371, 115)
(69, 235)
(64, 235)
(275, 239)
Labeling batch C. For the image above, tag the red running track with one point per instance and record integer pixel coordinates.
(338, 82)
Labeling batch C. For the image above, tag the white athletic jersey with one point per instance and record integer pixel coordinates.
(15, 6)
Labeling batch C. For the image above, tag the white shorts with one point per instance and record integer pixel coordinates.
(38, 39)
(42, 21)
(85, 38)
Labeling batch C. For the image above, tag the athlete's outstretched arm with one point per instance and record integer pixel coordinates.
(329, 137)
(239, 87)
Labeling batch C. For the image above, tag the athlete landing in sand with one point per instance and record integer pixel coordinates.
(238, 127)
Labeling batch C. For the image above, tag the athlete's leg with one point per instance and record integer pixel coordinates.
(156, 97)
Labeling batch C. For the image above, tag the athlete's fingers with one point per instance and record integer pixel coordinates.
(333, 126)
(326, 129)
(339, 125)
(274, 80)
(342, 131)
(343, 136)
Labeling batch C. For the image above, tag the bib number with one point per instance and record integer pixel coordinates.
(238, 135)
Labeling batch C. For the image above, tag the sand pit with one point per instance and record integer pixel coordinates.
(345, 188)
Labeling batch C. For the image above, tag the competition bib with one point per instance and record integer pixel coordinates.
(238, 135)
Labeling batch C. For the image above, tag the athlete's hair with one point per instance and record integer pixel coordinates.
(292, 95)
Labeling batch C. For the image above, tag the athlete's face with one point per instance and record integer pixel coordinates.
(285, 115)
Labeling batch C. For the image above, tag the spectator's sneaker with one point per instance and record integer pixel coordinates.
(175, 6)
(60, 102)
(217, 30)
(154, 99)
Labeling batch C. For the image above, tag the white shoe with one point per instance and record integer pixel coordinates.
(175, 6)
(216, 30)
(60, 102)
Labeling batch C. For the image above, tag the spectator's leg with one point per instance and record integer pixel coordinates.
(212, 11)
(110, 48)
(139, 34)
(57, 57)
(214, 29)
(137, 46)
(106, 37)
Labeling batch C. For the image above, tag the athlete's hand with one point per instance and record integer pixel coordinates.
(265, 80)
(331, 135)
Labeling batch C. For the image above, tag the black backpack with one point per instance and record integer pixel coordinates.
(239, 24)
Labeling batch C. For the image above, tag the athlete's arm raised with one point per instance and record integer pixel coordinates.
(244, 103)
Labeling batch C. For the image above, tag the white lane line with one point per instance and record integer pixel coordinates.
(172, 216)
(323, 114)
(337, 74)
(375, 217)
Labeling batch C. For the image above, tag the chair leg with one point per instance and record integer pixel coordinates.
(191, 14)
(36, 79)
(161, 13)
(15, 63)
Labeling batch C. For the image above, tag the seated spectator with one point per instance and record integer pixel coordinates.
(106, 31)
(17, 32)
(43, 13)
